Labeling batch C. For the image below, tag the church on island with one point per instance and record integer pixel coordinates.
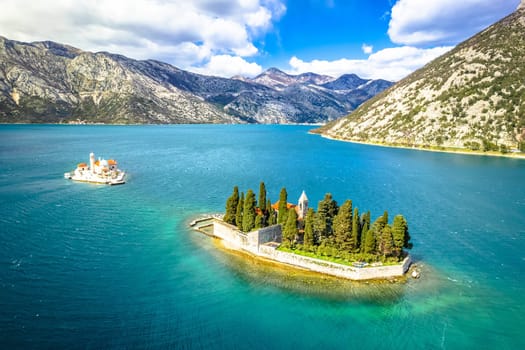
(100, 171)
(335, 240)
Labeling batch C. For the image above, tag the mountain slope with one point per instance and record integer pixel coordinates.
(471, 97)
(50, 82)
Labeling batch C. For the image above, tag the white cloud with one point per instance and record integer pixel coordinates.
(184, 33)
(229, 66)
(367, 49)
(391, 64)
(439, 22)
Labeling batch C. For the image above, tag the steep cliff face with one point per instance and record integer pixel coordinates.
(472, 97)
(50, 82)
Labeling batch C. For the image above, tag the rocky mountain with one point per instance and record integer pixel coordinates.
(50, 82)
(471, 97)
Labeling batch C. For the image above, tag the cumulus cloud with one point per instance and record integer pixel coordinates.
(439, 22)
(391, 64)
(184, 33)
(367, 49)
(229, 66)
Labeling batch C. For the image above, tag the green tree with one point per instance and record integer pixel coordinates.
(326, 211)
(290, 228)
(399, 231)
(342, 226)
(259, 221)
(238, 212)
(309, 238)
(369, 246)
(386, 242)
(231, 206)
(283, 208)
(356, 230)
(262, 197)
(269, 215)
(248, 216)
(365, 226)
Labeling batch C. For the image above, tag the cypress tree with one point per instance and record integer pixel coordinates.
(386, 242)
(259, 221)
(369, 245)
(356, 230)
(262, 197)
(248, 217)
(238, 212)
(399, 227)
(326, 211)
(231, 206)
(342, 227)
(290, 228)
(365, 226)
(283, 208)
(309, 238)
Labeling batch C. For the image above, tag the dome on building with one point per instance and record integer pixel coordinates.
(104, 163)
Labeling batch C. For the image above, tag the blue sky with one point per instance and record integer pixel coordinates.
(374, 39)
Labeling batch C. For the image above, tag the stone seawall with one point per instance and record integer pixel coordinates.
(264, 243)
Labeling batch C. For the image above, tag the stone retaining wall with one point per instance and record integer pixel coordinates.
(255, 242)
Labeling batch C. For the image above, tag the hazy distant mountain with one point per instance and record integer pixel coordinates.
(471, 97)
(50, 82)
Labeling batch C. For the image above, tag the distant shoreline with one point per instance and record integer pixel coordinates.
(416, 148)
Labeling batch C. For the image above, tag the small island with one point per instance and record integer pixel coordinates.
(99, 171)
(334, 240)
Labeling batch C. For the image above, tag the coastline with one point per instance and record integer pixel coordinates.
(263, 244)
(450, 151)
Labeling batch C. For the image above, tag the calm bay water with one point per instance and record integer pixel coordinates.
(116, 267)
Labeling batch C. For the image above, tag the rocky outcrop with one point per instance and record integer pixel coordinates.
(471, 97)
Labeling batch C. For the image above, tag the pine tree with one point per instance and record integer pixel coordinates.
(238, 212)
(356, 230)
(231, 207)
(309, 238)
(283, 208)
(262, 197)
(248, 217)
(342, 226)
(290, 228)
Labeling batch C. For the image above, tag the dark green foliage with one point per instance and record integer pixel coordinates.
(334, 232)
(271, 217)
(356, 231)
(290, 228)
(326, 211)
(239, 211)
(262, 197)
(399, 231)
(369, 246)
(231, 207)
(248, 217)
(259, 220)
(283, 210)
(309, 238)
(342, 227)
(386, 242)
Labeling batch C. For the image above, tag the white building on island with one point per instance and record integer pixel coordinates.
(99, 171)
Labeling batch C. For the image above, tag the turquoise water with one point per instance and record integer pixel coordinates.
(116, 267)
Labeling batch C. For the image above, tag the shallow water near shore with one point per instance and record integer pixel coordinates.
(117, 267)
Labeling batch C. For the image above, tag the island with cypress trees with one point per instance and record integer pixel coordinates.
(336, 240)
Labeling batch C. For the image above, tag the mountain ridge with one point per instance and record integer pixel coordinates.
(50, 82)
(470, 98)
